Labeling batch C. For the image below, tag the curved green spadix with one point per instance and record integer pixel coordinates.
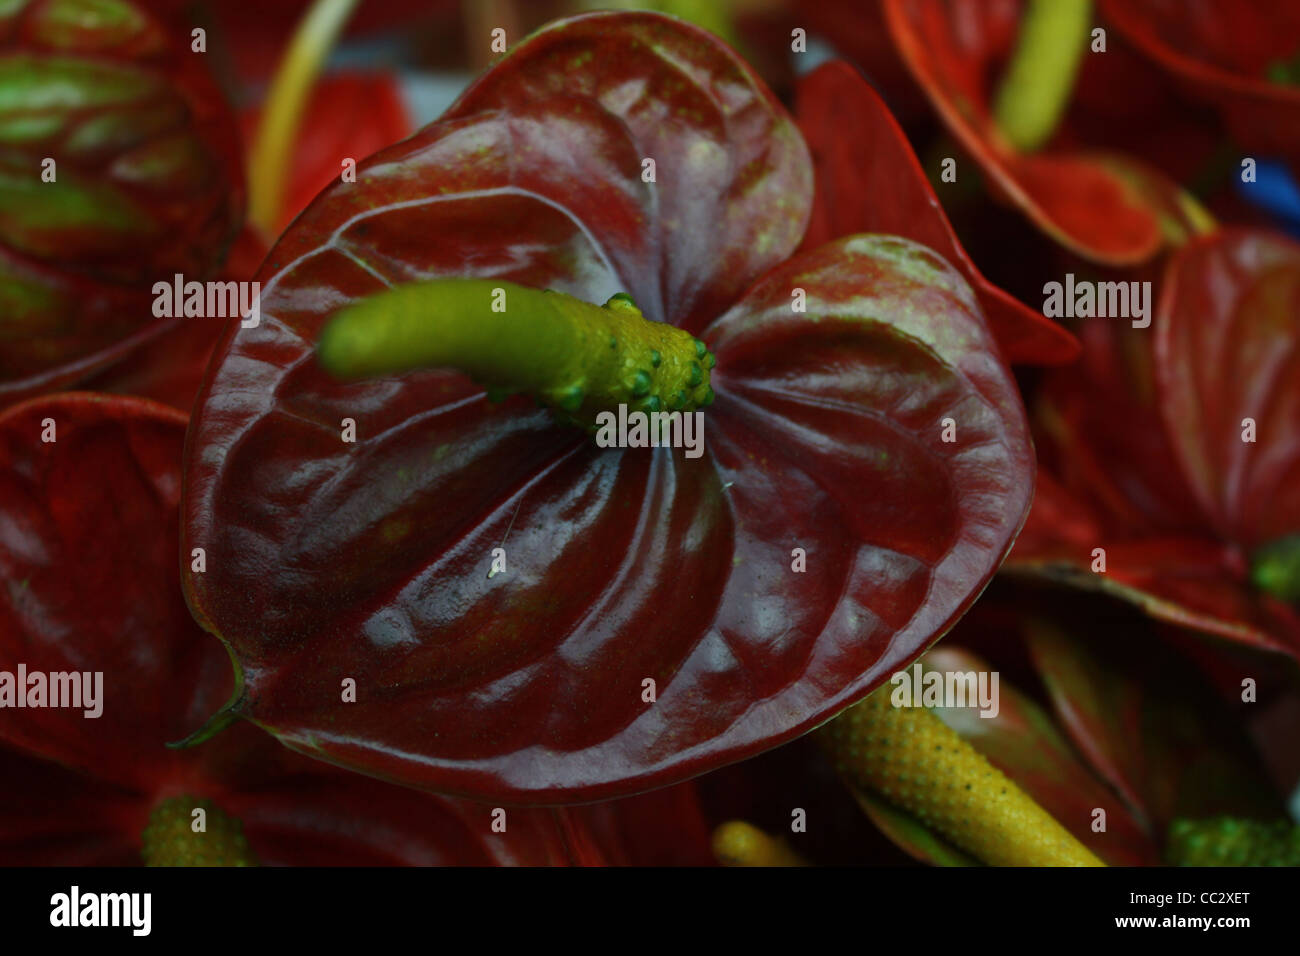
(574, 357)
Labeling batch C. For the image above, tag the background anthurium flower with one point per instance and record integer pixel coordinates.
(89, 559)
(1128, 727)
(371, 560)
(854, 140)
(1103, 206)
(146, 183)
(1241, 57)
(348, 116)
(1148, 454)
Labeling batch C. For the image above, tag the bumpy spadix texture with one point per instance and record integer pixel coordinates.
(171, 839)
(915, 761)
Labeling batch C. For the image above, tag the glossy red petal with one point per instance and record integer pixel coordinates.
(89, 549)
(732, 176)
(869, 180)
(954, 51)
(1192, 580)
(1228, 351)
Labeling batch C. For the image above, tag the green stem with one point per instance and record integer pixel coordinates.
(278, 131)
(1037, 84)
(577, 358)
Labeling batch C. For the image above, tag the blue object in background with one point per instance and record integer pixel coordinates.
(1275, 190)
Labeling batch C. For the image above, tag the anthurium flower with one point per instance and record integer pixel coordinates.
(1103, 206)
(120, 166)
(92, 610)
(1128, 728)
(348, 117)
(1171, 460)
(526, 615)
(854, 139)
(1242, 58)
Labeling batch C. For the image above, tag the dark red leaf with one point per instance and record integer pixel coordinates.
(92, 575)
(855, 142)
(370, 560)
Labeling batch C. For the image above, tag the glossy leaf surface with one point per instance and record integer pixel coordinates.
(1227, 350)
(373, 560)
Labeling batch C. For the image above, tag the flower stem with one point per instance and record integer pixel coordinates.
(1038, 81)
(577, 358)
(915, 761)
(273, 144)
